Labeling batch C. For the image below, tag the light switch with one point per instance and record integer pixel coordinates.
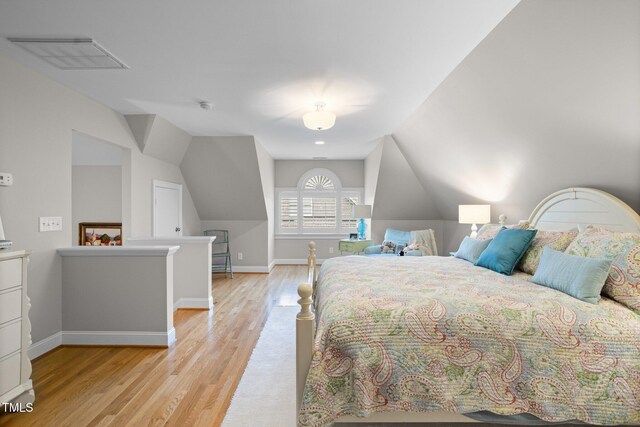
(6, 179)
(49, 223)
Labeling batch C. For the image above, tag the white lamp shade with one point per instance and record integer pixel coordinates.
(319, 120)
(474, 214)
(362, 211)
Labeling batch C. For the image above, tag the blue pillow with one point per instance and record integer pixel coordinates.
(506, 249)
(580, 277)
(470, 249)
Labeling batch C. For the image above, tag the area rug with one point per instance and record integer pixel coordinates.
(266, 394)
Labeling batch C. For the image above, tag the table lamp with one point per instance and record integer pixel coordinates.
(363, 212)
(474, 214)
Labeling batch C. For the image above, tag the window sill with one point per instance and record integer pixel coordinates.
(311, 236)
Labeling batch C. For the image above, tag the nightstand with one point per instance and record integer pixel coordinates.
(354, 246)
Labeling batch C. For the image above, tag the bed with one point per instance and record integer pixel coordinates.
(430, 339)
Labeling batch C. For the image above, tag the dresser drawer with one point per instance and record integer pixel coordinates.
(10, 273)
(10, 338)
(9, 373)
(10, 305)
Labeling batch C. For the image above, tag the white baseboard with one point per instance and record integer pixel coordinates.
(199, 303)
(273, 264)
(294, 261)
(250, 269)
(162, 339)
(45, 345)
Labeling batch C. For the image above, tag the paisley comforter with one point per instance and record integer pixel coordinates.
(434, 333)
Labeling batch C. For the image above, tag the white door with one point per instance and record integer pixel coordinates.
(167, 209)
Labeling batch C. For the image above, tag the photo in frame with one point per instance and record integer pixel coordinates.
(100, 233)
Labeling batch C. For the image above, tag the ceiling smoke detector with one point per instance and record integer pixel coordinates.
(70, 54)
(206, 105)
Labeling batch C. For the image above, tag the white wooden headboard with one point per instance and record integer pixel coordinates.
(566, 209)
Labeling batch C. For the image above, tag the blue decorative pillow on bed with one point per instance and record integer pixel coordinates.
(470, 249)
(506, 249)
(580, 277)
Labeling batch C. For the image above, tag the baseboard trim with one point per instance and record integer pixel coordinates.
(295, 261)
(194, 303)
(250, 269)
(142, 338)
(45, 345)
(273, 264)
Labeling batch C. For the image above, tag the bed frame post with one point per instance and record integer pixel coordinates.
(305, 321)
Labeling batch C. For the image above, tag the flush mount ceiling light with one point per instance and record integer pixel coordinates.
(70, 54)
(319, 119)
(319, 142)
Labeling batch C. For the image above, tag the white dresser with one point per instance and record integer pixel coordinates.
(15, 328)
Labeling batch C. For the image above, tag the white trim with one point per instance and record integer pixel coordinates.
(311, 236)
(250, 269)
(295, 261)
(123, 251)
(178, 240)
(197, 303)
(141, 338)
(156, 183)
(45, 345)
(273, 264)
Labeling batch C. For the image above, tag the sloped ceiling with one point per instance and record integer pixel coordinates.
(550, 99)
(399, 195)
(263, 64)
(158, 137)
(223, 176)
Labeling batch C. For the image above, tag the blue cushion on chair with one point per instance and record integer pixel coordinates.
(506, 249)
(580, 277)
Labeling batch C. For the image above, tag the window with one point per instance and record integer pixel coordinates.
(319, 205)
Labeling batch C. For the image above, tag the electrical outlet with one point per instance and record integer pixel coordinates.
(49, 223)
(6, 179)
(240, 256)
(331, 250)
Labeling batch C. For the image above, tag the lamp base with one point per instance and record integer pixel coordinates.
(362, 229)
(474, 231)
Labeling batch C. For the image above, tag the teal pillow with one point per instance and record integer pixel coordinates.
(580, 277)
(506, 249)
(470, 249)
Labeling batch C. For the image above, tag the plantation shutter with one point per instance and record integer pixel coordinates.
(318, 213)
(289, 212)
(348, 201)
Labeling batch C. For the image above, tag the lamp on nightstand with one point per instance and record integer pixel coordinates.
(474, 214)
(363, 212)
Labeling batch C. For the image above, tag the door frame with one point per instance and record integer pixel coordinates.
(165, 184)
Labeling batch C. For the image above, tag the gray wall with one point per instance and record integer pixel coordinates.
(548, 100)
(96, 196)
(350, 172)
(267, 176)
(35, 145)
(248, 237)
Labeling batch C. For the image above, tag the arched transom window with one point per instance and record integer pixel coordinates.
(318, 205)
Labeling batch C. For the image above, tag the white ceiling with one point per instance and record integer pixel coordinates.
(263, 64)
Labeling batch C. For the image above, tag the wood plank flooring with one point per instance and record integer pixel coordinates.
(191, 383)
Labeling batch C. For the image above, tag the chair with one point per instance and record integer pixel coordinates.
(403, 238)
(220, 252)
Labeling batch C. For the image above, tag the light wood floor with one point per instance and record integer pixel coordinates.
(191, 383)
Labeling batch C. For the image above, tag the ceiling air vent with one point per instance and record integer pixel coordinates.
(71, 54)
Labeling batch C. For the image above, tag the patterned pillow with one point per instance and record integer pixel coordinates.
(558, 240)
(489, 231)
(623, 283)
